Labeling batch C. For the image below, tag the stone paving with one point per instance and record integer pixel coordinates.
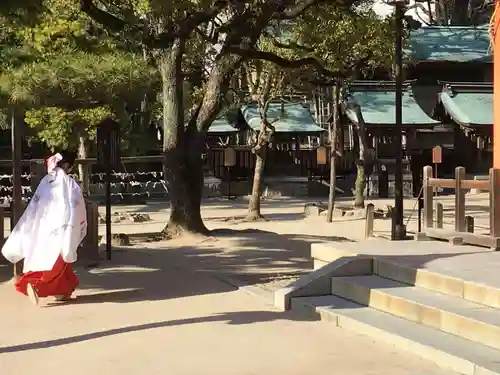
(161, 308)
(142, 315)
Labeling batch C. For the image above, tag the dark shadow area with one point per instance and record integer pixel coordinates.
(285, 216)
(232, 318)
(222, 203)
(139, 274)
(6, 272)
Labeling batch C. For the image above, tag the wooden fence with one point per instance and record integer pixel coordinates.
(88, 253)
(460, 235)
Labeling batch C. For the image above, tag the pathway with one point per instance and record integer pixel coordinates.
(147, 316)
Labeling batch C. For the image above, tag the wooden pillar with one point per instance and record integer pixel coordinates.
(2, 234)
(469, 224)
(495, 176)
(38, 171)
(428, 197)
(480, 145)
(375, 141)
(494, 202)
(439, 215)
(89, 250)
(459, 200)
(370, 218)
(496, 91)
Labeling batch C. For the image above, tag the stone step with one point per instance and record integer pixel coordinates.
(447, 313)
(483, 294)
(446, 350)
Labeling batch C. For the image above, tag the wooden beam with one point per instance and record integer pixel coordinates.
(428, 197)
(459, 200)
(442, 182)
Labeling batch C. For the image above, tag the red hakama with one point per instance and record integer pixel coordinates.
(60, 281)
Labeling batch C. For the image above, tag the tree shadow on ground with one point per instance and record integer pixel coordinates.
(283, 216)
(251, 257)
(231, 318)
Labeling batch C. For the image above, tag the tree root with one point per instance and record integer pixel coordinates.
(254, 217)
(174, 230)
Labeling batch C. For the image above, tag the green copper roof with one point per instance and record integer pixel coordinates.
(296, 118)
(449, 43)
(377, 101)
(468, 103)
(221, 126)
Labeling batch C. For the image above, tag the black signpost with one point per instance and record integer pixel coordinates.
(108, 156)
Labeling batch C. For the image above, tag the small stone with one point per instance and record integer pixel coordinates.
(338, 212)
(117, 239)
(313, 209)
(120, 239)
(139, 218)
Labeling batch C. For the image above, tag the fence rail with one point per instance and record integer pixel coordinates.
(461, 234)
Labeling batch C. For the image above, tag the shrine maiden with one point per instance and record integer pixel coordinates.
(48, 234)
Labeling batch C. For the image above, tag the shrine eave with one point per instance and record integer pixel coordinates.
(285, 117)
(461, 44)
(377, 103)
(468, 104)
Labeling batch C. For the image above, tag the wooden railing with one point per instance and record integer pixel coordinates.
(460, 235)
(88, 253)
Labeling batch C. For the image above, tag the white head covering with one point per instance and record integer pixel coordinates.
(52, 162)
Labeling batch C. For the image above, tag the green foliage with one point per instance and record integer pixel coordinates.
(25, 11)
(80, 80)
(346, 38)
(68, 74)
(60, 129)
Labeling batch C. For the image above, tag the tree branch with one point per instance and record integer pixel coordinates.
(188, 25)
(292, 45)
(299, 9)
(171, 30)
(285, 63)
(111, 22)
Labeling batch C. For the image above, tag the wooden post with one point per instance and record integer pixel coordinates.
(17, 189)
(439, 215)
(333, 128)
(427, 190)
(459, 200)
(495, 202)
(2, 234)
(370, 217)
(90, 245)
(469, 224)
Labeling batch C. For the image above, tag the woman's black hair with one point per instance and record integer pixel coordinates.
(68, 157)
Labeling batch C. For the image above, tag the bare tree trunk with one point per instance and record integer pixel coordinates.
(333, 154)
(260, 150)
(183, 176)
(360, 185)
(254, 204)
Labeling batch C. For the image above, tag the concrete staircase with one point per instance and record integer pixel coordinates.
(452, 322)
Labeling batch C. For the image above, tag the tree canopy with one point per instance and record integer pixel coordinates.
(62, 70)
